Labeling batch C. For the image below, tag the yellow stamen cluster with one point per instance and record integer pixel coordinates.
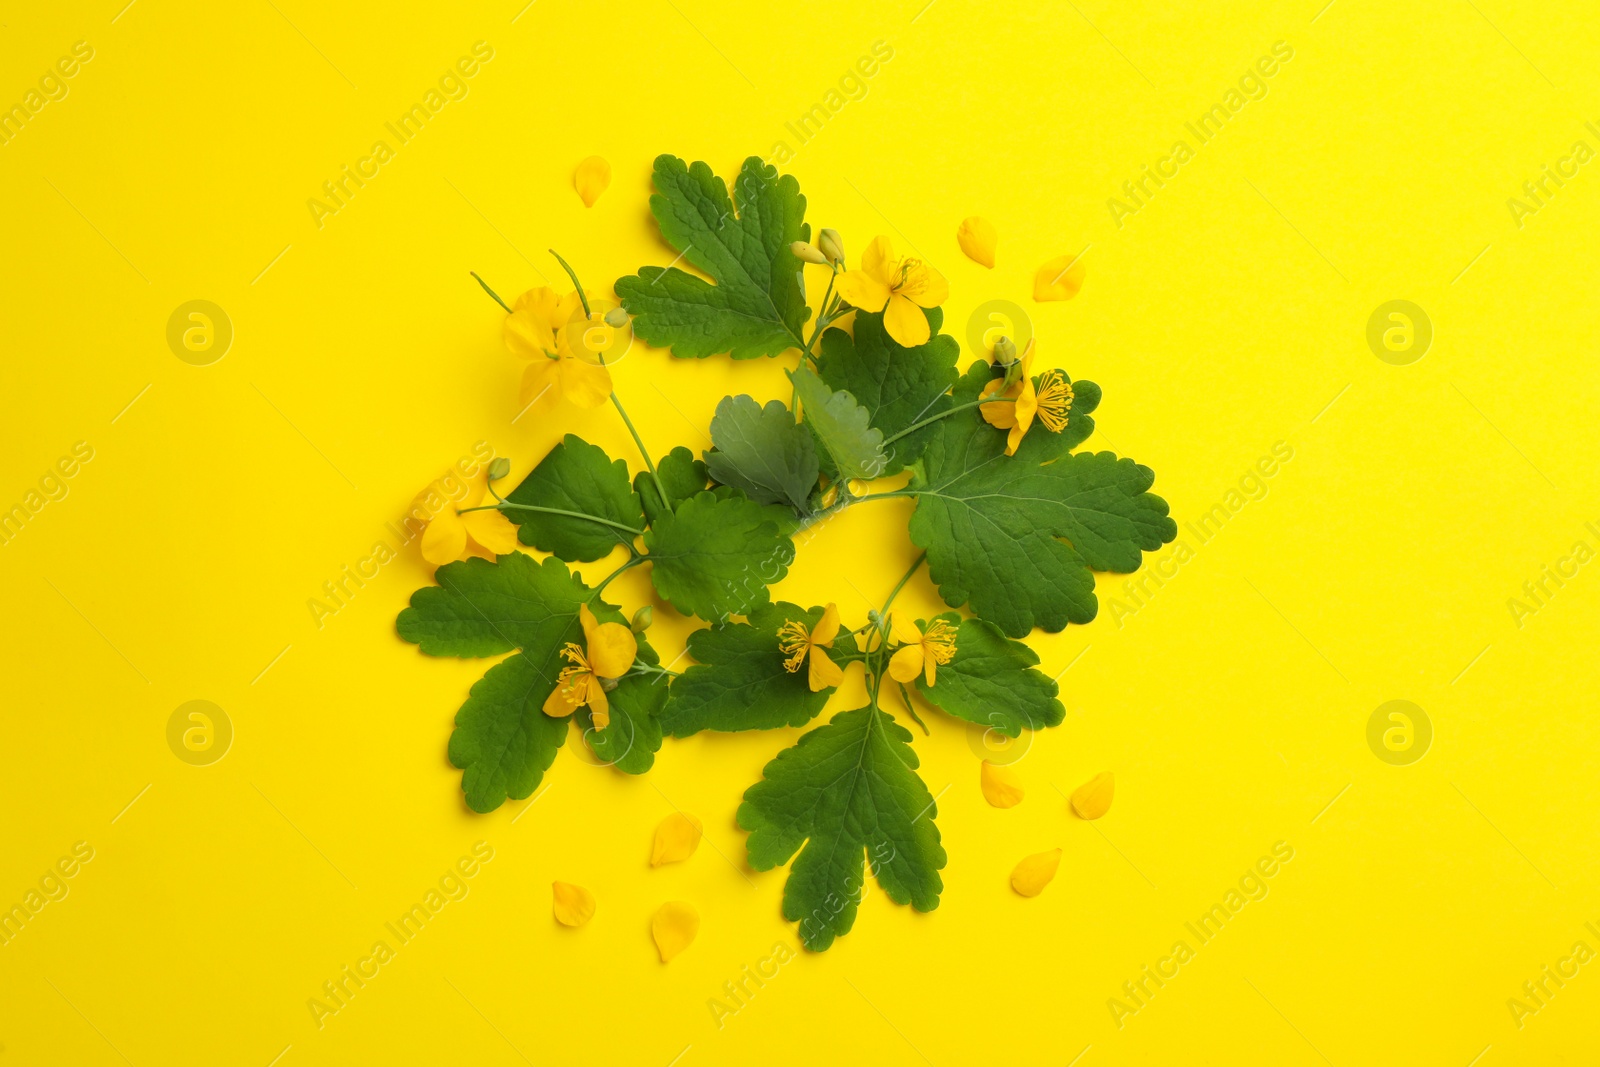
(1054, 400)
(939, 640)
(794, 640)
(567, 680)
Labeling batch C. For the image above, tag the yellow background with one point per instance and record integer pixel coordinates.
(1225, 316)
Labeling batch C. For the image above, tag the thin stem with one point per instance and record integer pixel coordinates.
(649, 668)
(930, 420)
(576, 284)
(883, 625)
(643, 451)
(490, 291)
(608, 579)
(550, 511)
(822, 316)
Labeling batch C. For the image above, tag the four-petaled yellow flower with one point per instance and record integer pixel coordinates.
(795, 642)
(536, 330)
(607, 652)
(921, 651)
(1050, 400)
(900, 288)
(447, 536)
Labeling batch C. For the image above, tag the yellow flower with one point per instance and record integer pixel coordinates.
(900, 288)
(1050, 400)
(447, 536)
(537, 330)
(797, 644)
(608, 651)
(921, 651)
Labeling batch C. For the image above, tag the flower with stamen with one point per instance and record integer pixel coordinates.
(1050, 399)
(799, 644)
(608, 650)
(900, 288)
(921, 651)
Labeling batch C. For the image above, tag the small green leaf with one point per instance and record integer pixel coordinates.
(630, 741)
(580, 477)
(715, 556)
(757, 307)
(762, 451)
(481, 608)
(899, 386)
(738, 680)
(503, 741)
(991, 681)
(681, 474)
(846, 793)
(1015, 537)
(842, 426)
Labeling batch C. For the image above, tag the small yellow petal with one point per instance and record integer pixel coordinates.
(574, 905)
(591, 179)
(827, 627)
(1034, 873)
(1000, 785)
(612, 649)
(445, 539)
(905, 322)
(903, 628)
(860, 289)
(823, 673)
(677, 836)
(977, 239)
(587, 385)
(906, 664)
(599, 707)
(492, 530)
(1092, 799)
(1059, 279)
(674, 927)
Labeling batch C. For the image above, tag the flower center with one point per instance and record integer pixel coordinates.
(572, 681)
(1054, 400)
(794, 640)
(939, 641)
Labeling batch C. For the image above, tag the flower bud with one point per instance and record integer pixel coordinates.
(499, 468)
(831, 245)
(807, 253)
(642, 619)
(609, 684)
(616, 318)
(1005, 352)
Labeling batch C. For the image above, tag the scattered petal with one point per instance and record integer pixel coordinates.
(977, 239)
(1092, 799)
(591, 179)
(674, 927)
(1035, 872)
(677, 836)
(574, 905)
(1000, 785)
(1059, 279)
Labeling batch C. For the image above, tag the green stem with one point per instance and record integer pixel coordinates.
(649, 668)
(930, 420)
(822, 316)
(576, 284)
(608, 579)
(490, 291)
(883, 626)
(550, 511)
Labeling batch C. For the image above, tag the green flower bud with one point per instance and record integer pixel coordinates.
(642, 619)
(1005, 352)
(807, 253)
(499, 468)
(616, 318)
(831, 245)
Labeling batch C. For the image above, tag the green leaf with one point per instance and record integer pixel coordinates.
(991, 681)
(681, 474)
(481, 608)
(762, 451)
(738, 680)
(577, 476)
(846, 791)
(842, 426)
(503, 741)
(757, 307)
(715, 556)
(1015, 537)
(630, 741)
(900, 387)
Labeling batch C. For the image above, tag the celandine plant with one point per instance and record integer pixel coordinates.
(1009, 521)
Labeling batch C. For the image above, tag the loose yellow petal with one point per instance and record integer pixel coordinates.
(906, 664)
(977, 239)
(1034, 873)
(674, 927)
(1059, 279)
(1000, 785)
(591, 179)
(677, 836)
(574, 905)
(905, 322)
(1092, 799)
